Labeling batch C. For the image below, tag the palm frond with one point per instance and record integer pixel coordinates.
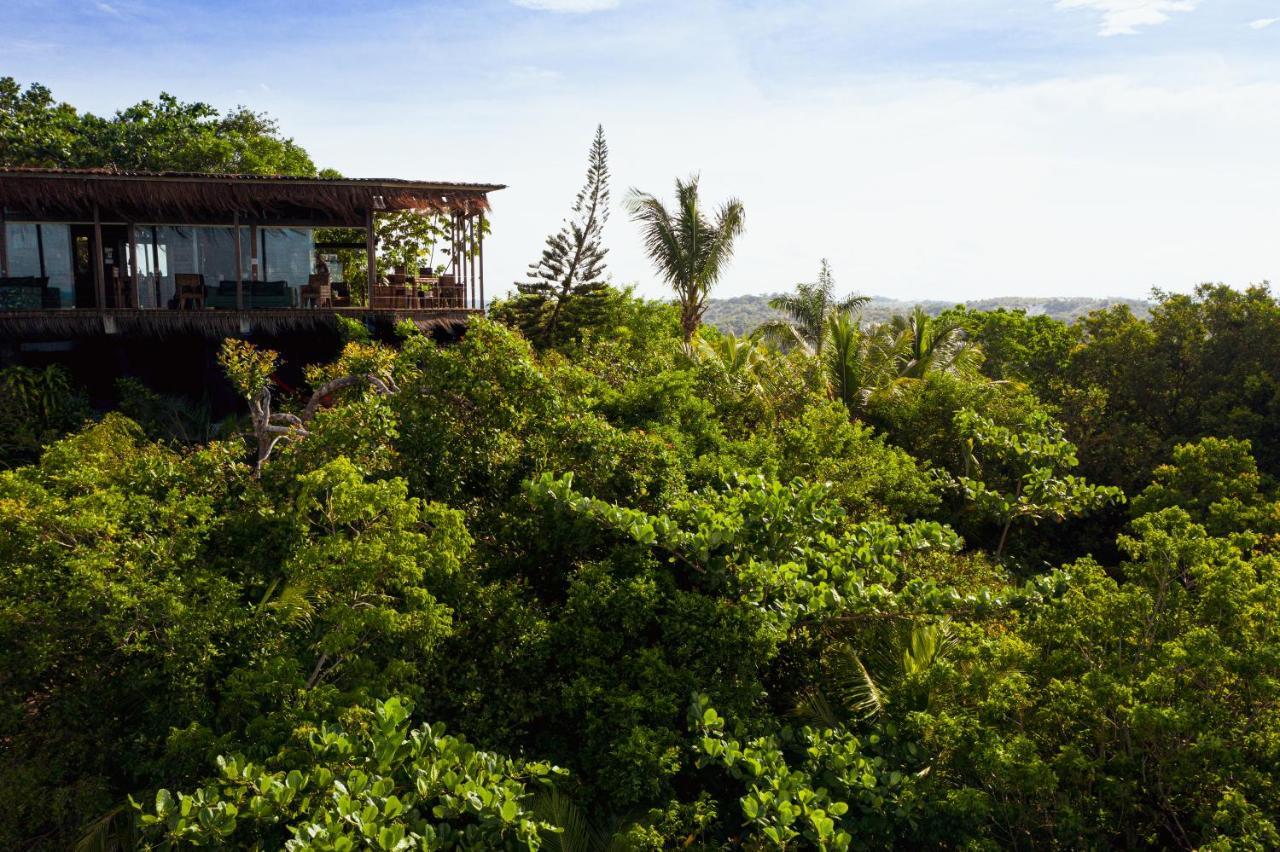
(576, 833)
(783, 334)
(112, 832)
(926, 644)
(793, 305)
(850, 304)
(294, 603)
(814, 708)
(859, 690)
(658, 232)
(720, 241)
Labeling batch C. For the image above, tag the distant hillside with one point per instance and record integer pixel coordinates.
(742, 314)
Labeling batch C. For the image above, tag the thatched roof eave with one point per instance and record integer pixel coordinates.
(195, 198)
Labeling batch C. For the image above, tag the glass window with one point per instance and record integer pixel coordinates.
(23, 248)
(163, 251)
(57, 262)
(25, 243)
(215, 252)
(287, 255)
(151, 256)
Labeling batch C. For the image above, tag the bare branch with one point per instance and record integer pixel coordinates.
(267, 427)
(331, 387)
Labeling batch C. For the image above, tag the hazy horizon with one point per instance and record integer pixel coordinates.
(931, 150)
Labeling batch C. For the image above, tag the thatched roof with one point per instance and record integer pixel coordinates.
(189, 198)
(216, 324)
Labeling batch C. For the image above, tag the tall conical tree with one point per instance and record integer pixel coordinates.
(568, 281)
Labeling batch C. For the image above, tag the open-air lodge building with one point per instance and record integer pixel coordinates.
(85, 253)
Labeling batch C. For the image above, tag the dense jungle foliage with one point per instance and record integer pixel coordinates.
(1014, 584)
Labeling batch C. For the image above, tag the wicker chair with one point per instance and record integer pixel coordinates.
(387, 296)
(317, 293)
(449, 292)
(120, 289)
(190, 289)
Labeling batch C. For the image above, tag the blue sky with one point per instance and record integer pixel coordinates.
(930, 148)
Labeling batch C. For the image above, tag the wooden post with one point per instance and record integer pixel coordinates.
(155, 260)
(235, 223)
(253, 252)
(40, 249)
(99, 274)
(457, 257)
(131, 236)
(480, 253)
(471, 255)
(4, 246)
(371, 248)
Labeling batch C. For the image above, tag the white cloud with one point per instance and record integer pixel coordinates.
(568, 5)
(1263, 23)
(1124, 17)
(107, 9)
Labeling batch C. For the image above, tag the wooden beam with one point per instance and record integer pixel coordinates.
(371, 248)
(326, 246)
(99, 274)
(235, 223)
(480, 253)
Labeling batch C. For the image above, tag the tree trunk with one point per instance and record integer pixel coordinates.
(689, 321)
(1004, 533)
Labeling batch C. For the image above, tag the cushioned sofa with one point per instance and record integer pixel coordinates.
(257, 294)
(28, 293)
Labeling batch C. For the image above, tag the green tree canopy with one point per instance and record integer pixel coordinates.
(166, 134)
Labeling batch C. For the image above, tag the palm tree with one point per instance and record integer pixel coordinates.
(862, 683)
(808, 309)
(577, 832)
(733, 354)
(690, 250)
(865, 366)
(923, 345)
(742, 360)
(853, 360)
